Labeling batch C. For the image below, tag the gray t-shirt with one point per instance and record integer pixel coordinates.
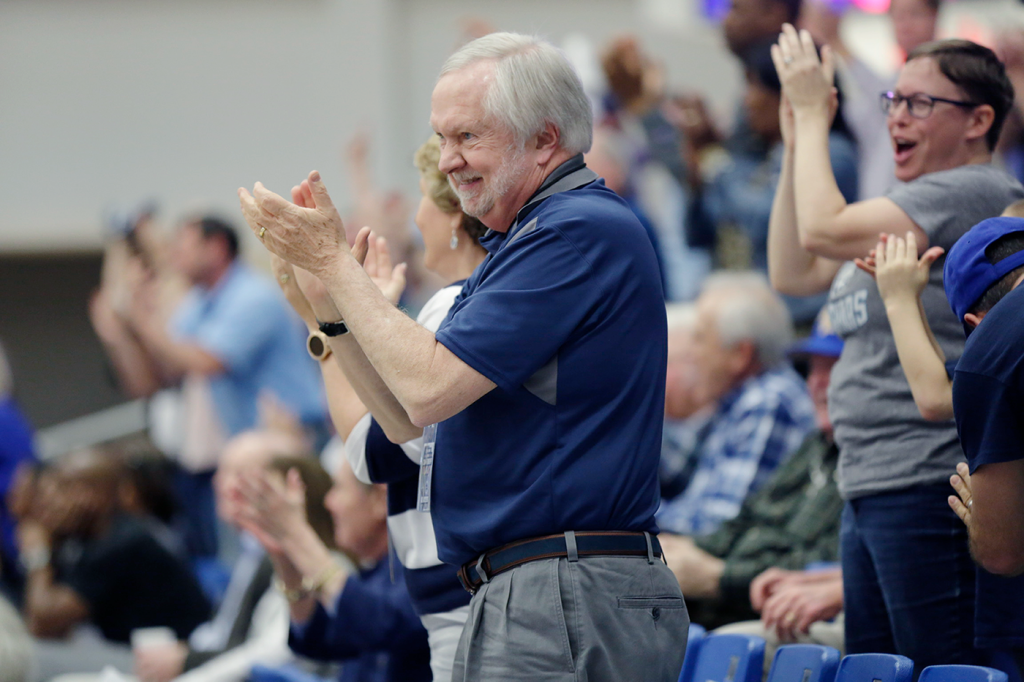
(884, 443)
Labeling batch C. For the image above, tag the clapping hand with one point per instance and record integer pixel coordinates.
(807, 81)
(899, 271)
(272, 509)
(308, 233)
(377, 264)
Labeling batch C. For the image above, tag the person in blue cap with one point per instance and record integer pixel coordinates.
(980, 270)
(982, 277)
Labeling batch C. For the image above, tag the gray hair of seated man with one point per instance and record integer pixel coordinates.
(534, 84)
(752, 311)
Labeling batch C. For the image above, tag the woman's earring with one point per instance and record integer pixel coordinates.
(454, 243)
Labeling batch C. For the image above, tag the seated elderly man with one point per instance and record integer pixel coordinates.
(762, 410)
(791, 522)
(251, 624)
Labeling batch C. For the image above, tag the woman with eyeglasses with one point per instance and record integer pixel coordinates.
(909, 582)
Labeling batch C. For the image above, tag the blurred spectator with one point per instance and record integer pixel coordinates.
(685, 410)
(647, 148)
(914, 23)
(796, 606)
(251, 624)
(363, 618)
(791, 522)
(89, 562)
(91, 568)
(229, 340)
(749, 22)
(15, 448)
(762, 410)
(735, 201)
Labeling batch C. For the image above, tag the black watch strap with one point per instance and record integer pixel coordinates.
(333, 328)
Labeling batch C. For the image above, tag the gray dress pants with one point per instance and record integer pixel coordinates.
(597, 619)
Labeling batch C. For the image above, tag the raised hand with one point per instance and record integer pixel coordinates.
(377, 264)
(308, 233)
(273, 510)
(807, 81)
(898, 270)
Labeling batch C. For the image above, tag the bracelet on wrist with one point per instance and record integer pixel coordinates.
(310, 587)
(333, 328)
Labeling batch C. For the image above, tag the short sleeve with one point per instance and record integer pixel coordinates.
(988, 419)
(237, 336)
(946, 204)
(524, 310)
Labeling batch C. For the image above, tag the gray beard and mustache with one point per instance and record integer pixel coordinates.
(479, 203)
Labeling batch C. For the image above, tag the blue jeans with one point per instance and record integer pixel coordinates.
(908, 578)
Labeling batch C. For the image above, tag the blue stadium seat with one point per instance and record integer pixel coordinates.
(283, 673)
(730, 658)
(693, 641)
(804, 663)
(875, 668)
(961, 673)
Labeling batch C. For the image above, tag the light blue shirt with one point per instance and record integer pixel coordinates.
(246, 324)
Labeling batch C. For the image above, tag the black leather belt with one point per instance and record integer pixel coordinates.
(571, 545)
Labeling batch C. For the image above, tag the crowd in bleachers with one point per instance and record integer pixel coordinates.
(830, 473)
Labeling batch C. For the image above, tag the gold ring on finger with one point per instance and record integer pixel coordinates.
(284, 278)
(790, 618)
(263, 231)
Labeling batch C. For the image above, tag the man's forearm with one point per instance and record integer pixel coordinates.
(404, 354)
(371, 390)
(178, 358)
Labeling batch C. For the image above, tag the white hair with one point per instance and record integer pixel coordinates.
(534, 84)
(681, 316)
(752, 311)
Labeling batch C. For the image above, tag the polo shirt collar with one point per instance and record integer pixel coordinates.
(568, 176)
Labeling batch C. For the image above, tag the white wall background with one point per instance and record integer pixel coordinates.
(109, 102)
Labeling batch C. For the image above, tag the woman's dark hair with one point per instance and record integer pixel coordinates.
(317, 482)
(977, 72)
(757, 62)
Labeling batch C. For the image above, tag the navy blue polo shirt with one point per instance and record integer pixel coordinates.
(566, 315)
(988, 386)
(988, 401)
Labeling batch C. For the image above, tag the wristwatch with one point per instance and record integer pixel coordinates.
(317, 346)
(333, 328)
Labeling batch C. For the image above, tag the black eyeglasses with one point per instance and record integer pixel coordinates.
(919, 105)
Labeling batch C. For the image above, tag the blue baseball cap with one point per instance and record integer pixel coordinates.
(968, 273)
(822, 341)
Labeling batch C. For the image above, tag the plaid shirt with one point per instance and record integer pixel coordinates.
(755, 427)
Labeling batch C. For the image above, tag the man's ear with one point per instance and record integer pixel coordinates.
(980, 121)
(744, 357)
(546, 142)
(974, 320)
